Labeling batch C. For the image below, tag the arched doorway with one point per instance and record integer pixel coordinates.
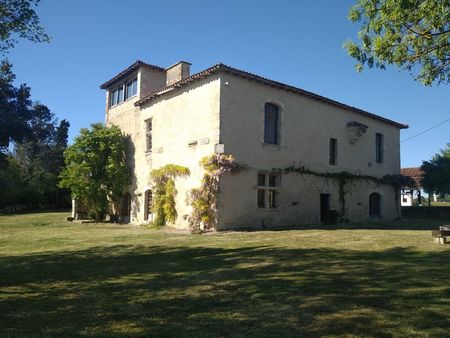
(148, 202)
(126, 208)
(375, 205)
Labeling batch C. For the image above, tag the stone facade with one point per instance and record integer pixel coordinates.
(223, 110)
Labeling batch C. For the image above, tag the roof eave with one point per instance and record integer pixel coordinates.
(127, 71)
(227, 69)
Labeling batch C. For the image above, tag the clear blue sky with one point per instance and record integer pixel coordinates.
(295, 42)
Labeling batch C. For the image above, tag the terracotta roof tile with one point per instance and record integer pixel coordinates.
(253, 77)
(415, 173)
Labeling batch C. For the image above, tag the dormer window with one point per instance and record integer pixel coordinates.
(123, 92)
(120, 94)
(131, 88)
(114, 97)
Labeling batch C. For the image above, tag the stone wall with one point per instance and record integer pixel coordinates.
(306, 127)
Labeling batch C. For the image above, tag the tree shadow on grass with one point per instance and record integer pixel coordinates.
(402, 224)
(202, 291)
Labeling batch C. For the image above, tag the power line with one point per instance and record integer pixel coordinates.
(427, 130)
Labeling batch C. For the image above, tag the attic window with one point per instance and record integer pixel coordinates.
(123, 92)
(131, 88)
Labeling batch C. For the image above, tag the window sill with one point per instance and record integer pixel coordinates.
(129, 99)
(271, 145)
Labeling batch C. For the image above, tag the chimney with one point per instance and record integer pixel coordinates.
(177, 72)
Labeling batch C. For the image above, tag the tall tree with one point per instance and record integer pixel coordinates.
(41, 155)
(436, 178)
(411, 34)
(18, 19)
(96, 169)
(15, 191)
(15, 109)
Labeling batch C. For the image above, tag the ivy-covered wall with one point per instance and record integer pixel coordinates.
(299, 200)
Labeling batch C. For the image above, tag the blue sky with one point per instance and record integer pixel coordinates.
(295, 42)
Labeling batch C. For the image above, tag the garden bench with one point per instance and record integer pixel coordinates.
(440, 236)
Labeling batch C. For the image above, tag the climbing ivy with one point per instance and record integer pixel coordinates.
(204, 199)
(164, 193)
(344, 177)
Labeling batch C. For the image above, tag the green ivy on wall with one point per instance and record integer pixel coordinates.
(345, 177)
(164, 193)
(204, 199)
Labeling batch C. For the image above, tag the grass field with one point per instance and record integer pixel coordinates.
(61, 279)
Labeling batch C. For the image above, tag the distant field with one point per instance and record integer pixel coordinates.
(440, 204)
(63, 279)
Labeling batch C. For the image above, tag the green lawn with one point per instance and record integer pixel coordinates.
(62, 279)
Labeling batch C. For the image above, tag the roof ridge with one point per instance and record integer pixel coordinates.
(138, 63)
(223, 67)
(177, 84)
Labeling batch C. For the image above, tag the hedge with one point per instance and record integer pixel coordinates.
(425, 212)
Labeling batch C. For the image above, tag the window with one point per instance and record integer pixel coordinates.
(379, 148)
(261, 198)
(148, 135)
(261, 180)
(271, 123)
(268, 190)
(123, 92)
(114, 97)
(148, 203)
(131, 88)
(333, 151)
(120, 94)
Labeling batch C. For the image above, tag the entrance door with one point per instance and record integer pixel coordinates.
(324, 206)
(126, 208)
(375, 205)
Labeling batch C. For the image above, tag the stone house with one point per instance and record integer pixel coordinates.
(173, 117)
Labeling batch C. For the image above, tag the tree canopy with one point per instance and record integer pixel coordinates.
(96, 169)
(41, 157)
(411, 34)
(19, 20)
(15, 109)
(436, 178)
